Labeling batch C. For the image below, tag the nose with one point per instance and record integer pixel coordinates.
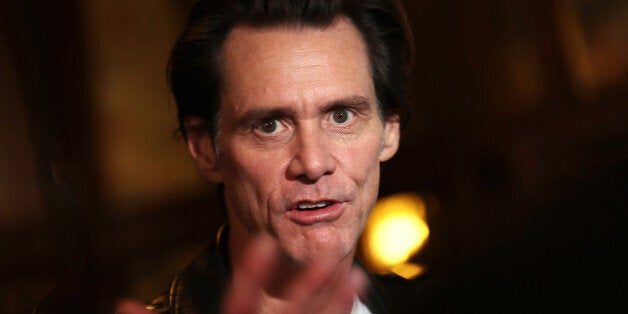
(312, 157)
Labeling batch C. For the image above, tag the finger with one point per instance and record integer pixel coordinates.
(359, 282)
(259, 259)
(251, 273)
(334, 290)
(312, 287)
(343, 296)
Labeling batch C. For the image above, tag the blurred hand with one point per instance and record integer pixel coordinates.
(321, 287)
(318, 288)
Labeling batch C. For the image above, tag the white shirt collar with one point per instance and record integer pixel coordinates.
(359, 307)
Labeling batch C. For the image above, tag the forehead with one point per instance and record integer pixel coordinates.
(287, 65)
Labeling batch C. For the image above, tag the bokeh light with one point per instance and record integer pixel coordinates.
(396, 231)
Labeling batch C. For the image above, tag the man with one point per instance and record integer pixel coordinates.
(290, 106)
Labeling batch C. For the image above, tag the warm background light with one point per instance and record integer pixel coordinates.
(395, 231)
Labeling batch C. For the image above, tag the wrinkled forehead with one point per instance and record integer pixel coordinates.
(281, 63)
(248, 43)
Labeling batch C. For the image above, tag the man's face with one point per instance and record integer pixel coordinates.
(300, 138)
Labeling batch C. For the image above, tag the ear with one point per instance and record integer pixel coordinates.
(202, 150)
(390, 141)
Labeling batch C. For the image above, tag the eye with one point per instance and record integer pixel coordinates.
(268, 126)
(341, 115)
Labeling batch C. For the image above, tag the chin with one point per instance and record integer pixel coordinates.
(318, 244)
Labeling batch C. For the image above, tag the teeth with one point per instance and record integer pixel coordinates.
(312, 205)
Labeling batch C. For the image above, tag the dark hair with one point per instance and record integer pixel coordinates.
(195, 69)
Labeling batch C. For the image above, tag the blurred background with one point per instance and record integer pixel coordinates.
(517, 150)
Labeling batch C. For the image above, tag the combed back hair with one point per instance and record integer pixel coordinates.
(195, 71)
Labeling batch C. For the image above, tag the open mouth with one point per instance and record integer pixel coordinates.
(309, 213)
(305, 206)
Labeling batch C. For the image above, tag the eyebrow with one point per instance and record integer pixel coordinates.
(257, 114)
(359, 103)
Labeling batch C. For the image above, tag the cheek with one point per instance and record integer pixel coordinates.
(255, 176)
(364, 167)
(361, 161)
(248, 181)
